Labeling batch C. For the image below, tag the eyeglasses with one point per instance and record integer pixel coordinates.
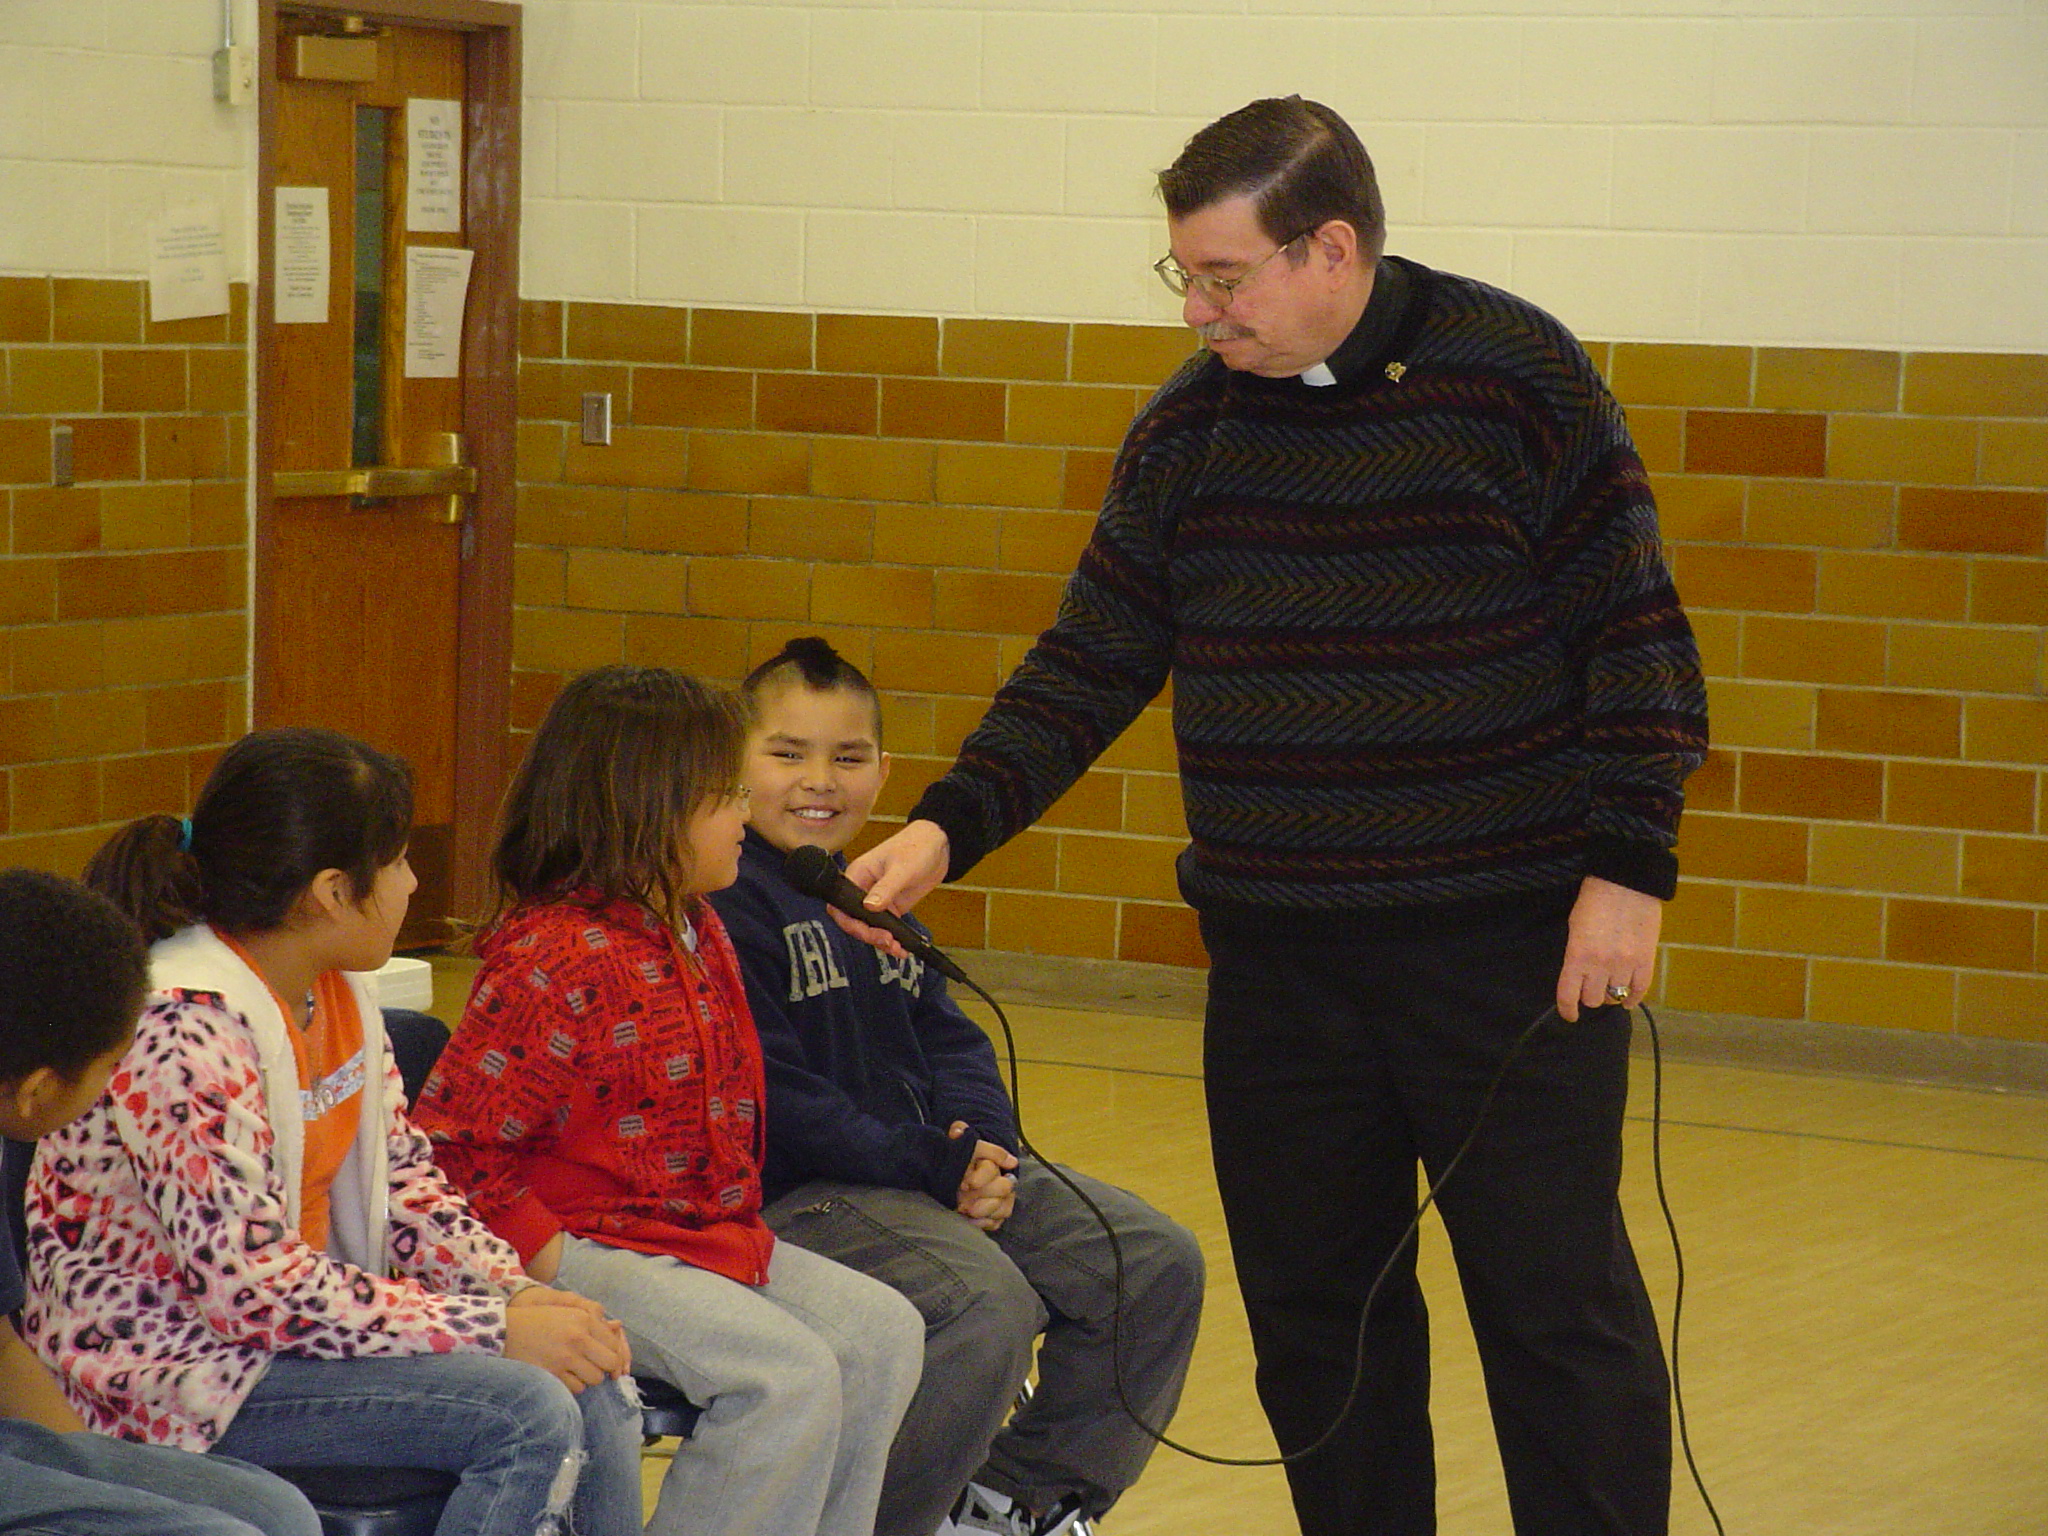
(1216, 291)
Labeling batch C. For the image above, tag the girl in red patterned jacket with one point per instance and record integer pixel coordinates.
(245, 1245)
(600, 1103)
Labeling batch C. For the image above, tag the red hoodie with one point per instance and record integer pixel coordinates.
(606, 1081)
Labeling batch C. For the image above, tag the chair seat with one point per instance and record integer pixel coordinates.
(373, 1501)
(664, 1410)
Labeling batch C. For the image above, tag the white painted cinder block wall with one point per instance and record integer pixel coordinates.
(1791, 172)
(107, 120)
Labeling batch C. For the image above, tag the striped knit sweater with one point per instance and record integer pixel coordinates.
(1423, 643)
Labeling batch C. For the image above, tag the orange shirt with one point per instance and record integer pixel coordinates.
(330, 1057)
(329, 1051)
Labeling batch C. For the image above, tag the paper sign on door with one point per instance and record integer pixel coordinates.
(302, 256)
(433, 165)
(436, 288)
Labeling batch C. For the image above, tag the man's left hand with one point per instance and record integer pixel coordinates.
(1613, 947)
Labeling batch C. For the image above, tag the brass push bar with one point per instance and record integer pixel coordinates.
(379, 482)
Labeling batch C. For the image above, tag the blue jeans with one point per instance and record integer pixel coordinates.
(94, 1485)
(518, 1440)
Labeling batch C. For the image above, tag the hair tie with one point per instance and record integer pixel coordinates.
(184, 834)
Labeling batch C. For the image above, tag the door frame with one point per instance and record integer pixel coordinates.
(491, 120)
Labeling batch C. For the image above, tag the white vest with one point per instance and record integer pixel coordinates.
(195, 960)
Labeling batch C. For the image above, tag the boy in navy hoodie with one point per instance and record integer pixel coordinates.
(892, 1147)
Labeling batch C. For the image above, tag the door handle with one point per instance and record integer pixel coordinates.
(368, 483)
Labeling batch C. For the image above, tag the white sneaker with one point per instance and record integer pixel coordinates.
(985, 1510)
(982, 1509)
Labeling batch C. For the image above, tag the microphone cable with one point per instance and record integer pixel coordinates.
(1677, 1261)
(1364, 1313)
(1429, 1198)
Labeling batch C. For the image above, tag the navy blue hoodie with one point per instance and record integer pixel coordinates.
(869, 1060)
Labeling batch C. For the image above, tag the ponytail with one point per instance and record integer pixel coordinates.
(147, 871)
(281, 806)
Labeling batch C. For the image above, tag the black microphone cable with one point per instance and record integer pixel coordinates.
(816, 873)
(1677, 1260)
(1365, 1312)
(1515, 1048)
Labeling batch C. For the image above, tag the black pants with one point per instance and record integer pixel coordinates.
(1332, 1069)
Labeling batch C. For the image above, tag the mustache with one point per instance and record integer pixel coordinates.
(1220, 330)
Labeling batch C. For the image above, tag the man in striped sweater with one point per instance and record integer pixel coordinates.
(1435, 702)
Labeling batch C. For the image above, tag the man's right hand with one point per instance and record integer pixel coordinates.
(566, 1340)
(897, 874)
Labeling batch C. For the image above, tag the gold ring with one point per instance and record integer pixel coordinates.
(1617, 994)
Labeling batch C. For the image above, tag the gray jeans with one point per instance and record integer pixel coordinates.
(985, 1299)
(802, 1382)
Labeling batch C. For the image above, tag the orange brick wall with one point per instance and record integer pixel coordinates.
(916, 492)
(123, 608)
(1860, 537)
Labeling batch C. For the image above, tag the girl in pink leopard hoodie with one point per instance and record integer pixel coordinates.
(245, 1246)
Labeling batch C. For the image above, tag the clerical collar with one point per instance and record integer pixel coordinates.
(1392, 289)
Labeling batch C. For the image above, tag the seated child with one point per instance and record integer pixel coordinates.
(245, 1245)
(72, 976)
(891, 1147)
(601, 1103)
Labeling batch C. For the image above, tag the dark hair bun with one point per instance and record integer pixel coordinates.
(814, 657)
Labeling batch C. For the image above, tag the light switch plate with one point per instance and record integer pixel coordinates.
(597, 420)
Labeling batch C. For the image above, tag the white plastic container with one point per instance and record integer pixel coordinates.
(406, 983)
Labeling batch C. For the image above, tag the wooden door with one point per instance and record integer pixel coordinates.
(384, 433)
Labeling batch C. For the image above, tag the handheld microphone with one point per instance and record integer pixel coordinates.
(812, 871)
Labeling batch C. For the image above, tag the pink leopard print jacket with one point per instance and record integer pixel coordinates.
(166, 1267)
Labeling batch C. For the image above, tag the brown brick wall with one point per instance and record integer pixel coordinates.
(1862, 538)
(914, 490)
(123, 610)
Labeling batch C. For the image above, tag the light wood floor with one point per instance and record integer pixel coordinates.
(1865, 1342)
